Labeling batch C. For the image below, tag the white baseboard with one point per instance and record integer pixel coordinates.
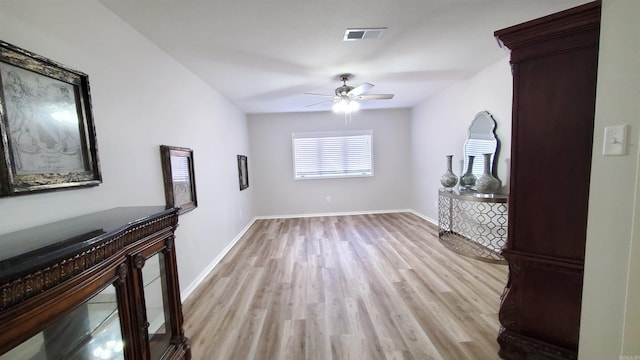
(194, 284)
(434, 222)
(200, 278)
(333, 214)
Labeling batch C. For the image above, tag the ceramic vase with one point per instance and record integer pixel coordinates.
(468, 180)
(449, 179)
(487, 183)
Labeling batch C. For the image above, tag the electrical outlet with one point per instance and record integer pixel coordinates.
(328, 199)
(615, 140)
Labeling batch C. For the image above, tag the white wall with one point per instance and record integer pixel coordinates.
(142, 98)
(271, 164)
(439, 127)
(610, 324)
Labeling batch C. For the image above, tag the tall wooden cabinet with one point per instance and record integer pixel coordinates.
(98, 286)
(554, 64)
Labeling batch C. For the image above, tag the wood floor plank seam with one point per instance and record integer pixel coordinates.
(372, 286)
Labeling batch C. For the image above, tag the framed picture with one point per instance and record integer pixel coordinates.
(179, 178)
(243, 173)
(48, 139)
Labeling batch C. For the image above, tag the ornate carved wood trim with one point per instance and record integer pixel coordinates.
(30, 285)
(517, 346)
(508, 314)
(169, 242)
(543, 262)
(138, 261)
(572, 21)
(122, 272)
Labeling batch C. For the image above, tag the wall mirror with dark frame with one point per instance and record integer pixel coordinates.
(482, 139)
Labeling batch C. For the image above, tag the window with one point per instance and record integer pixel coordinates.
(332, 154)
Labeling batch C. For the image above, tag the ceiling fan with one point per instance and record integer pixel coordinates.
(345, 96)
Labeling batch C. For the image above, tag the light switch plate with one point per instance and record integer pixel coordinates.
(615, 140)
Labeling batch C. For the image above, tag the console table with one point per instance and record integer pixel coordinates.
(473, 224)
(98, 286)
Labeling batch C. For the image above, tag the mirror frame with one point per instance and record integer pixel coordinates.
(482, 116)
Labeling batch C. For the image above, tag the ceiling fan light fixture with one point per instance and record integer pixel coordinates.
(339, 106)
(353, 106)
(346, 106)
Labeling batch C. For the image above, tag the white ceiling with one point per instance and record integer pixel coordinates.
(263, 54)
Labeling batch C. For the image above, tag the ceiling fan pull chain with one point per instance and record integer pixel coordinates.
(347, 118)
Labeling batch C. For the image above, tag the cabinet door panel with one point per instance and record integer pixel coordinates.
(551, 305)
(90, 331)
(553, 142)
(157, 308)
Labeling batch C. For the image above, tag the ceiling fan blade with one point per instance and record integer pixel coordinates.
(360, 89)
(374, 97)
(321, 102)
(307, 93)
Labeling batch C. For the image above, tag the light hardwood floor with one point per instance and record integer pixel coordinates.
(346, 287)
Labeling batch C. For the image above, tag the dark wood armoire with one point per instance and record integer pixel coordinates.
(554, 63)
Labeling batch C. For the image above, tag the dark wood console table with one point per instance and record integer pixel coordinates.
(103, 285)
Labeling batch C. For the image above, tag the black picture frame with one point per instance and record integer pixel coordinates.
(47, 131)
(179, 178)
(243, 172)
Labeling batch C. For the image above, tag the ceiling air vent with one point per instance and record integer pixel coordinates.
(363, 34)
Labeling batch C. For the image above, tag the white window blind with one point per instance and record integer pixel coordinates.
(333, 154)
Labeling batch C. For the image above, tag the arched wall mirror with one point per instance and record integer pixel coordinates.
(481, 140)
